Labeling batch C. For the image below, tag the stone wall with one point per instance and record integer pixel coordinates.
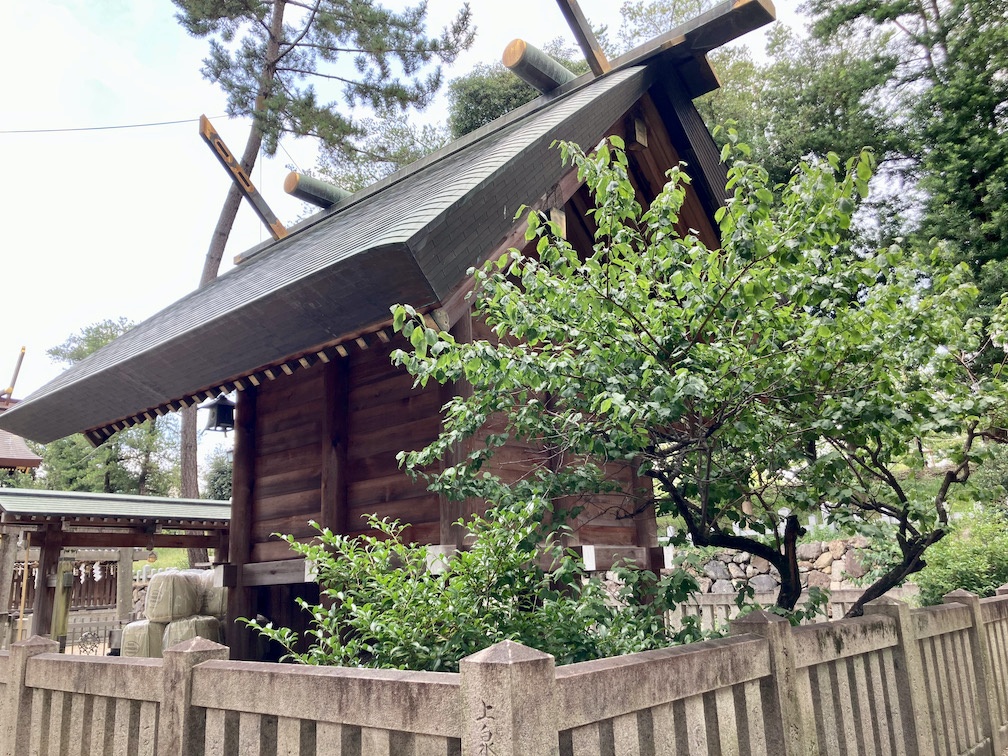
(822, 564)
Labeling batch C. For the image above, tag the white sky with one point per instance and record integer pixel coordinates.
(102, 224)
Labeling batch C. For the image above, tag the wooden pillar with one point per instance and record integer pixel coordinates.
(49, 551)
(240, 597)
(124, 584)
(451, 511)
(8, 557)
(62, 594)
(336, 383)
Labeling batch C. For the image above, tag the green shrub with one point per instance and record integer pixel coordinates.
(973, 556)
(382, 607)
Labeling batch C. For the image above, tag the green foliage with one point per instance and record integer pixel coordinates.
(974, 557)
(89, 339)
(17, 479)
(775, 375)
(392, 143)
(270, 57)
(490, 90)
(217, 476)
(809, 97)
(383, 607)
(947, 93)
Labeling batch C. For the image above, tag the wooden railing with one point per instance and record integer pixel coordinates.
(932, 682)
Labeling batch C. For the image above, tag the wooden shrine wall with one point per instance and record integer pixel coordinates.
(384, 415)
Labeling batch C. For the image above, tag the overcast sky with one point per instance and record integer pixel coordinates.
(109, 223)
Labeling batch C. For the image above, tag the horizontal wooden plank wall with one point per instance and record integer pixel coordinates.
(286, 493)
(387, 415)
(606, 519)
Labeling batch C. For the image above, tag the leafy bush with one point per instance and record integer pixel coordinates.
(973, 556)
(381, 606)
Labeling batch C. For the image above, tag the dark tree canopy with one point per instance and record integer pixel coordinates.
(948, 93)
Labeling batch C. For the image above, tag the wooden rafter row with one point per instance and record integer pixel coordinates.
(328, 353)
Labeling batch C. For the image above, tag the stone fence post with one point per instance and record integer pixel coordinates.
(915, 711)
(783, 720)
(509, 705)
(15, 733)
(986, 693)
(180, 731)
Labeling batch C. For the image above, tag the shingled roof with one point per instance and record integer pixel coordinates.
(25, 506)
(15, 454)
(410, 238)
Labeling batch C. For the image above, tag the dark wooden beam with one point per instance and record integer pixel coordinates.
(50, 543)
(276, 572)
(334, 445)
(123, 539)
(688, 131)
(283, 572)
(241, 601)
(534, 67)
(597, 60)
(721, 24)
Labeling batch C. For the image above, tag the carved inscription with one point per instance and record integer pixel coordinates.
(485, 744)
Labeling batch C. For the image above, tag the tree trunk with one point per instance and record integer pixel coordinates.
(211, 265)
(790, 590)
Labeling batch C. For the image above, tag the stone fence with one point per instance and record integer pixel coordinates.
(930, 681)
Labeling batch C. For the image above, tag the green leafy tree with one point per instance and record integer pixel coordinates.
(643, 20)
(974, 558)
(218, 476)
(17, 479)
(948, 94)
(754, 383)
(383, 606)
(269, 58)
(140, 460)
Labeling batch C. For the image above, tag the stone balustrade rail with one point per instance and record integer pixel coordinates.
(898, 681)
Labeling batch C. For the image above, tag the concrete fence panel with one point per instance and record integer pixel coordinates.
(704, 698)
(949, 677)
(896, 682)
(845, 678)
(994, 613)
(267, 709)
(94, 705)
